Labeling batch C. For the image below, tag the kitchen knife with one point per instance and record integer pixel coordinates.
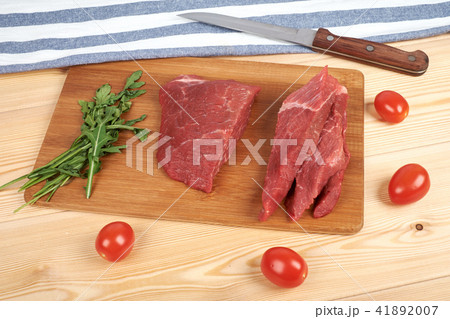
(415, 63)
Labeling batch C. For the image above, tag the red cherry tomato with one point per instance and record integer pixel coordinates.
(284, 267)
(391, 106)
(115, 241)
(409, 184)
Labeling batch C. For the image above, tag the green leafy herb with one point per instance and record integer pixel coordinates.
(102, 123)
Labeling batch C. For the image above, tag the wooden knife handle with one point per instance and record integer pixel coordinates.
(412, 62)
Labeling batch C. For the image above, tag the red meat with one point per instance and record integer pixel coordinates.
(221, 110)
(301, 118)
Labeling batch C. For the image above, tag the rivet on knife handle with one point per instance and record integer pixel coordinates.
(412, 62)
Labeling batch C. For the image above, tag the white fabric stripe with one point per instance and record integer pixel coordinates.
(178, 41)
(374, 29)
(133, 23)
(213, 39)
(30, 6)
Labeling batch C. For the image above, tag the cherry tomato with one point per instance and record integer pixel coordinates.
(409, 184)
(391, 106)
(284, 267)
(115, 241)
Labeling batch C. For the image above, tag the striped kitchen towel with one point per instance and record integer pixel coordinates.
(38, 34)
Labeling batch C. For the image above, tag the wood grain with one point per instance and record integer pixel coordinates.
(415, 63)
(48, 254)
(236, 198)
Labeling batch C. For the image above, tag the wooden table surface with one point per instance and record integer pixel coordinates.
(48, 254)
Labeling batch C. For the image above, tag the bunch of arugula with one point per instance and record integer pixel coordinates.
(101, 127)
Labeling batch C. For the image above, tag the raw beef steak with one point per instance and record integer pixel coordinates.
(332, 191)
(301, 118)
(197, 151)
(329, 159)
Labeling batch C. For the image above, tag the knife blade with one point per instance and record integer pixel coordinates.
(415, 63)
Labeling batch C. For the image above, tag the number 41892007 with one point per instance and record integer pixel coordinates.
(406, 310)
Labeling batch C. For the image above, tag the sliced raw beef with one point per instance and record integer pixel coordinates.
(301, 118)
(330, 159)
(332, 191)
(330, 194)
(221, 109)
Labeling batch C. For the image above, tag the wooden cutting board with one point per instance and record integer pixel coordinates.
(236, 198)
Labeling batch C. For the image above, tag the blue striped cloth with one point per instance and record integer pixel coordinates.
(39, 34)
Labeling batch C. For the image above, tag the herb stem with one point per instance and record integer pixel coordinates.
(36, 180)
(120, 126)
(102, 123)
(58, 160)
(13, 181)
